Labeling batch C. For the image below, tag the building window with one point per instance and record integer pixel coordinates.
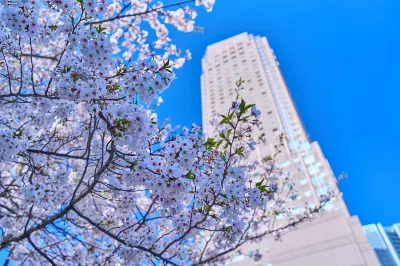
(317, 181)
(295, 197)
(284, 164)
(280, 216)
(305, 146)
(312, 205)
(238, 258)
(322, 191)
(328, 206)
(297, 211)
(303, 181)
(313, 169)
(309, 159)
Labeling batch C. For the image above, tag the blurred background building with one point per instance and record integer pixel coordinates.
(334, 239)
(385, 241)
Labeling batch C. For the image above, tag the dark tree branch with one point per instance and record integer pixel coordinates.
(119, 16)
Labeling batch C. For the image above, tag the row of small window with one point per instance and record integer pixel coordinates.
(264, 58)
(314, 169)
(235, 65)
(232, 50)
(295, 144)
(316, 180)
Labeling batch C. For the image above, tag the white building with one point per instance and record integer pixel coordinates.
(334, 239)
(385, 241)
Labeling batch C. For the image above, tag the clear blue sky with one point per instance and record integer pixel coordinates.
(340, 60)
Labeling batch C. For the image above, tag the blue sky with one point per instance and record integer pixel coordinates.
(340, 60)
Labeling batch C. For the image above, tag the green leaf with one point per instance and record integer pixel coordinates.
(100, 29)
(262, 188)
(249, 106)
(190, 175)
(167, 65)
(268, 158)
(223, 157)
(210, 143)
(225, 120)
(239, 82)
(242, 105)
(239, 151)
(218, 143)
(108, 222)
(18, 134)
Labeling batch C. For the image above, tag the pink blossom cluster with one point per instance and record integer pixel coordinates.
(87, 174)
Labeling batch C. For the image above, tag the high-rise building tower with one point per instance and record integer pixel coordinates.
(385, 241)
(334, 239)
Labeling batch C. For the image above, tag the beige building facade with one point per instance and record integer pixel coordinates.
(334, 239)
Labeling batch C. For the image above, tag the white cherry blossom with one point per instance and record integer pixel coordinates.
(87, 172)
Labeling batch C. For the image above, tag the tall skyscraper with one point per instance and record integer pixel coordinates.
(334, 239)
(385, 241)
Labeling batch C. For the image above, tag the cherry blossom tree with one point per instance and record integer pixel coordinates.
(88, 175)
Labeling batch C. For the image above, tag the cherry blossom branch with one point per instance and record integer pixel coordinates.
(9, 239)
(113, 236)
(139, 13)
(56, 154)
(79, 136)
(53, 58)
(243, 240)
(40, 251)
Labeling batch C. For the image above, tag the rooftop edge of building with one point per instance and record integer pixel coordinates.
(221, 43)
